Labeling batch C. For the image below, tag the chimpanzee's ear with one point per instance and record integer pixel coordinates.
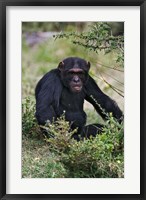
(61, 66)
(88, 66)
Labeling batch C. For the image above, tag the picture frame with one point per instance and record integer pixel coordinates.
(4, 109)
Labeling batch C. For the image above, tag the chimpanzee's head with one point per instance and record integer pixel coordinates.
(74, 73)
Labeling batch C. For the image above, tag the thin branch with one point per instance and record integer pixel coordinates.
(110, 67)
(114, 88)
(114, 78)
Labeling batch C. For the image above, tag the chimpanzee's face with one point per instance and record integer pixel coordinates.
(74, 74)
(76, 78)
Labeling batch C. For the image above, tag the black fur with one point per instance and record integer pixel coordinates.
(54, 96)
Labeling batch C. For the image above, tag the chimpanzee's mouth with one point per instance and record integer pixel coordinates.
(78, 88)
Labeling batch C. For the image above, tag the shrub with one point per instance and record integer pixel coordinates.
(28, 115)
(59, 135)
(100, 157)
(97, 157)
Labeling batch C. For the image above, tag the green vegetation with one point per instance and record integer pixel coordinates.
(98, 38)
(57, 155)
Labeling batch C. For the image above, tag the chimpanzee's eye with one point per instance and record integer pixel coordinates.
(81, 74)
(71, 73)
(77, 73)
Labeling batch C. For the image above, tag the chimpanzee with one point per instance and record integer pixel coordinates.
(64, 89)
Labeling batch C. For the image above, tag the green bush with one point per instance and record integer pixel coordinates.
(98, 157)
(59, 135)
(28, 115)
(101, 156)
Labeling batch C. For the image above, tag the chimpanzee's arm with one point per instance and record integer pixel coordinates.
(48, 91)
(99, 100)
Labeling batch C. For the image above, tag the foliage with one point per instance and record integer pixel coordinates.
(58, 155)
(98, 38)
(101, 156)
(28, 115)
(59, 134)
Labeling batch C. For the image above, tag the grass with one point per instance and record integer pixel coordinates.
(38, 161)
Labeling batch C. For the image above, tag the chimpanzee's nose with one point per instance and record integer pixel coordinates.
(76, 79)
